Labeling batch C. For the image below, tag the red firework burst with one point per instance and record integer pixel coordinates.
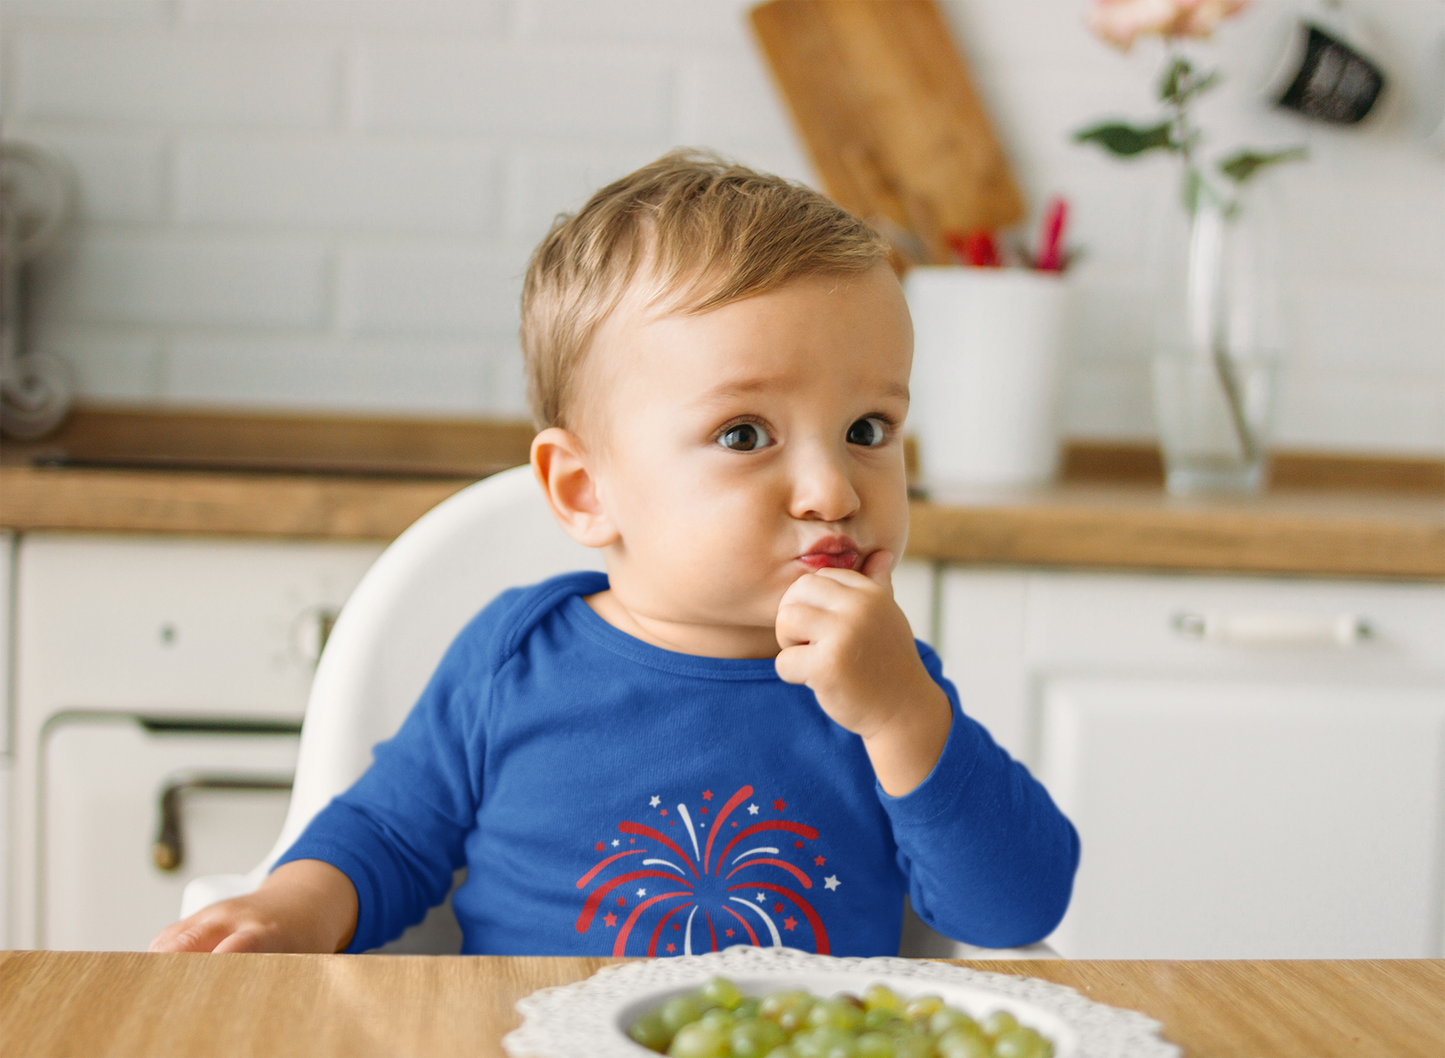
(696, 882)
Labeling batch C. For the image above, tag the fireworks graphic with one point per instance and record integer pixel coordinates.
(735, 885)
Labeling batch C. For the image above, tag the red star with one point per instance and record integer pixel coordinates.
(780, 805)
(707, 795)
(632, 841)
(672, 822)
(621, 901)
(818, 861)
(671, 948)
(703, 809)
(778, 908)
(676, 926)
(601, 847)
(797, 844)
(609, 919)
(664, 811)
(790, 922)
(734, 824)
(728, 932)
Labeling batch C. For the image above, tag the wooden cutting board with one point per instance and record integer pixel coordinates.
(889, 113)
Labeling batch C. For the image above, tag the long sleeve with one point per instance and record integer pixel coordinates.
(399, 832)
(990, 859)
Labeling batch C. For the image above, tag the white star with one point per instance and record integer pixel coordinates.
(642, 892)
(831, 882)
(752, 810)
(615, 842)
(654, 802)
(762, 897)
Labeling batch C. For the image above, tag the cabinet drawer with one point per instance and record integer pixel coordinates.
(175, 626)
(1092, 622)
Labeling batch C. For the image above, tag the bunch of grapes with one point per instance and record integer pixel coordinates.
(718, 1021)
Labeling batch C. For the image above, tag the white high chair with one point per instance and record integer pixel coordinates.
(392, 632)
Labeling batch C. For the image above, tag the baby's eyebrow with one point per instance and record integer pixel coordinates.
(743, 387)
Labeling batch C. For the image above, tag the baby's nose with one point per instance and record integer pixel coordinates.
(823, 491)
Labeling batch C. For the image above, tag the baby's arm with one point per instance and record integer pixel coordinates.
(990, 859)
(302, 906)
(844, 636)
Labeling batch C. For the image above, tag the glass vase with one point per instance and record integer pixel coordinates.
(1219, 337)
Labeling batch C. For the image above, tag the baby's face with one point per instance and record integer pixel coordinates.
(740, 449)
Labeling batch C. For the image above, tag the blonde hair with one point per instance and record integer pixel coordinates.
(704, 232)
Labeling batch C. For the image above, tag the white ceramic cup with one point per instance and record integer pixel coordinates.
(985, 370)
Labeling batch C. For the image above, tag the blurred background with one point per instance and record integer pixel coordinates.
(328, 205)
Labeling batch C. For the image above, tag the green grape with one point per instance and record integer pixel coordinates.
(718, 1021)
(945, 1018)
(774, 1003)
(881, 1020)
(875, 1045)
(913, 1047)
(682, 1010)
(718, 1018)
(881, 997)
(651, 1031)
(1019, 1043)
(997, 1023)
(962, 1043)
(831, 1012)
(755, 1037)
(921, 1007)
(698, 1040)
(824, 1041)
(721, 992)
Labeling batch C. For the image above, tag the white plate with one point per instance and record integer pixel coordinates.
(591, 1017)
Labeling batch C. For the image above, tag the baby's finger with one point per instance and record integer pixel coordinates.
(799, 623)
(197, 933)
(241, 940)
(794, 664)
(879, 569)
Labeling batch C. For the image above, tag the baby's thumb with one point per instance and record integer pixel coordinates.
(879, 569)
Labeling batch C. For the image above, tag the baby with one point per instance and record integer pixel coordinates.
(732, 736)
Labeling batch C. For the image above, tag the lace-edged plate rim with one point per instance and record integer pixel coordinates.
(590, 1017)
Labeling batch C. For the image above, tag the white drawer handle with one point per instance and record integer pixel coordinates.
(1274, 629)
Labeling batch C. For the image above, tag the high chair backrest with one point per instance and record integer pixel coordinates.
(392, 632)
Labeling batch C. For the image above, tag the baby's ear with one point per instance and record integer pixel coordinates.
(560, 463)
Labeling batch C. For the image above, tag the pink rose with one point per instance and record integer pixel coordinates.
(1197, 18)
(1121, 22)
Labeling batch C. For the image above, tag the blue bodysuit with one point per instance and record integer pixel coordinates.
(612, 798)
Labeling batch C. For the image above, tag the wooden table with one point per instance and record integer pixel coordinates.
(118, 1003)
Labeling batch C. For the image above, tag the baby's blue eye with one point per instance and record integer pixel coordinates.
(745, 437)
(868, 432)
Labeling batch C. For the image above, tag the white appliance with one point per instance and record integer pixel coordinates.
(160, 685)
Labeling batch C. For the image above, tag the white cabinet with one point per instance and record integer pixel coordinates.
(1249, 776)
(1226, 820)
(142, 662)
(131, 811)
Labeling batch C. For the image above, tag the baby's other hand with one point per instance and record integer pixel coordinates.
(303, 906)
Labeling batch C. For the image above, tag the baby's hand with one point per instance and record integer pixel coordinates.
(303, 906)
(845, 638)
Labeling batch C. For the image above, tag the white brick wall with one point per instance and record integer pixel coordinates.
(329, 203)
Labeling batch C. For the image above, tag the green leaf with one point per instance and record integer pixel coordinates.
(1179, 83)
(1242, 166)
(1174, 79)
(1126, 140)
